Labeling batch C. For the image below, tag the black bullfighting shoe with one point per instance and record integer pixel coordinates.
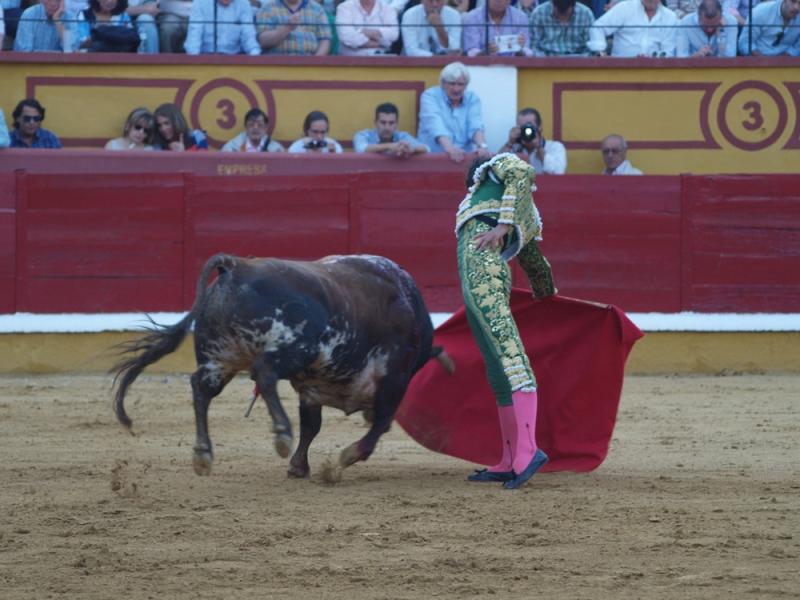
(537, 462)
(484, 475)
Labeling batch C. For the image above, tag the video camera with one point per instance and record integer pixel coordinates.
(527, 133)
(316, 144)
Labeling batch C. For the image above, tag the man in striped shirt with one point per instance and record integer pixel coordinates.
(560, 28)
(294, 27)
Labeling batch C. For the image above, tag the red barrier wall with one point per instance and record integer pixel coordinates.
(123, 242)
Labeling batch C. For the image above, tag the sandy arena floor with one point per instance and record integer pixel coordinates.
(699, 498)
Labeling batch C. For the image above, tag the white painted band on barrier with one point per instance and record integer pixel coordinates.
(685, 321)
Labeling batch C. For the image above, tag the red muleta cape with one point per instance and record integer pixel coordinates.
(578, 350)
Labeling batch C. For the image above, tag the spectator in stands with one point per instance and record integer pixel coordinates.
(294, 27)
(11, 12)
(41, 28)
(463, 6)
(615, 153)
(5, 140)
(144, 13)
(28, 132)
(450, 117)
(384, 138)
(221, 27)
(496, 28)
(315, 128)
(561, 28)
(254, 138)
(739, 9)
(775, 30)
(431, 28)
(173, 24)
(173, 133)
(707, 32)
(100, 14)
(527, 141)
(137, 132)
(2, 27)
(681, 8)
(639, 27)
(366, 27)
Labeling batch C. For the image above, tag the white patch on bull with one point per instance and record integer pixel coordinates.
(300, 327)
(327, 348)
(213, 373)
(277, 336)
(365, 382)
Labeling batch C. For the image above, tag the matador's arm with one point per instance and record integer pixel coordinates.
(537, 269)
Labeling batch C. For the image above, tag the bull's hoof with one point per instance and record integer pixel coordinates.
(350, 455)
(298, 472)
(202, 462)
(283, 444)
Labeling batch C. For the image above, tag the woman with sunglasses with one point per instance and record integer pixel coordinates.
(28, 132)
(137, 132)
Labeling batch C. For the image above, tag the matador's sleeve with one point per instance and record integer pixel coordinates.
(537, 269)
(517, 177)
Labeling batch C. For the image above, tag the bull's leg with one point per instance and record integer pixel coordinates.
(267, 382)
(387, 398)
(207, 383)
(310, 423)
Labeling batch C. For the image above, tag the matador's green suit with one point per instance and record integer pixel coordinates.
(501, 194)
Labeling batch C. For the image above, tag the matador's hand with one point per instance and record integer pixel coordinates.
(492, 238)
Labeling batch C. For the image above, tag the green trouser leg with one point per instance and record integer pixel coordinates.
(486, 287)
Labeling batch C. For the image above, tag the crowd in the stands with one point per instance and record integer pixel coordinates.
(624, 28)
(450, 122)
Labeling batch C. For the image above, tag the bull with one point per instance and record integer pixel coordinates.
(346, 331)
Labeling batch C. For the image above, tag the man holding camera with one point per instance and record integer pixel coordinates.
(526, 141)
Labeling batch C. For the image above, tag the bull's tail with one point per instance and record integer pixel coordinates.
(159, 340)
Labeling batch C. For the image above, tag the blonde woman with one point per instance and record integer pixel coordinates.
(137, 133)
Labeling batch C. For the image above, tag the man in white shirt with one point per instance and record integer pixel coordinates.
(366, 27)
(431, 27)
(639, 27)
(707, 32)
(527, 141)
(254, 138)
(615, 152)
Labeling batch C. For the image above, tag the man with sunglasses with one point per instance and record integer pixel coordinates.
(28, 132)
(775, 30)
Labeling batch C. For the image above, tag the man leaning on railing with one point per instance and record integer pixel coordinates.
(561, 28)
(774, 31)
(639, 27)
(707, 32)
(221, 27)
(42, 28)
(294, 27)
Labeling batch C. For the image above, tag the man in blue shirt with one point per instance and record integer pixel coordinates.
(5, 141)
(28, 132)
(707, 32)
(450, 118)
(384, 137)
(221, 27)
(776, 30)
(41, 28)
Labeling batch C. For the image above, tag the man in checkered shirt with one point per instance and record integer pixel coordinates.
(560, 28)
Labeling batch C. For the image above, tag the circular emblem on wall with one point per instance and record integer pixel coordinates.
(219, 106)
(752, 115)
